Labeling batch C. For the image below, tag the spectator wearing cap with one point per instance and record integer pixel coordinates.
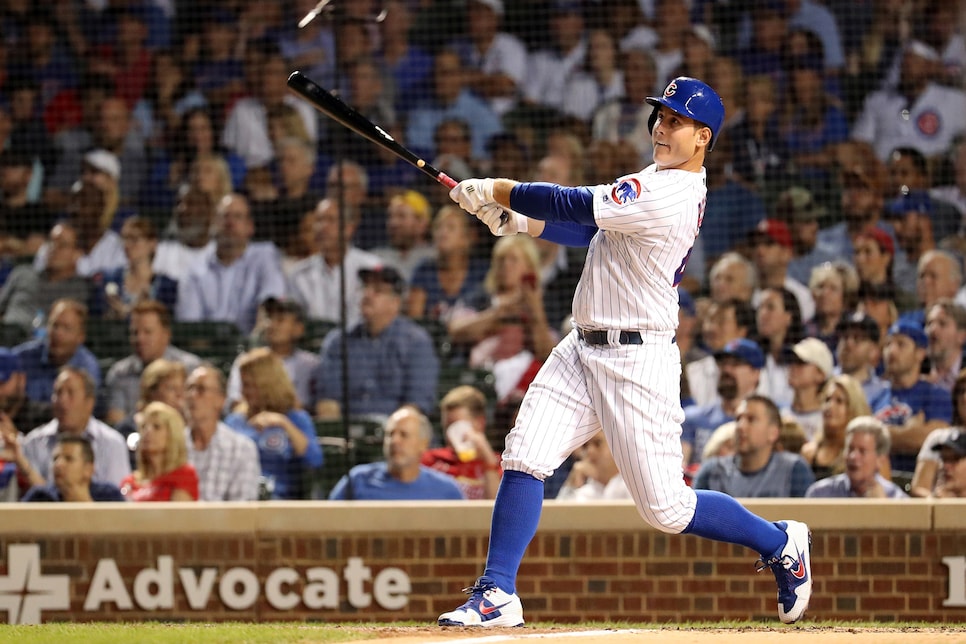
(757, 469)
(23, 221)
(867, 446)
(909, 175)
(314, 281)
(722, 322)
(771, 243)
(875, 252)
(919, 113)
(952, 454)
(29, 293)
(843, 400)
(946, 332)
(62, 345)
(23, 412)
(915, 406)
(495, 61)
(550, 68)
(911, 218)
(280, 327)
(798, 208)
(863, 180)
(858, 354)
(407, 229)
(739, 367)
(393, 358)
(150, 337)
(235, 275)
(810, 366)
(835, 287)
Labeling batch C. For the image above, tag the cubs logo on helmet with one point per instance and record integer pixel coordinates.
(670, 89)
(625, 191)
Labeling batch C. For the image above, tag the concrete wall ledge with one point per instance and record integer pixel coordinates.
(439, 517)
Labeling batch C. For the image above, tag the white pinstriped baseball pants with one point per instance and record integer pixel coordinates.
(632, 392)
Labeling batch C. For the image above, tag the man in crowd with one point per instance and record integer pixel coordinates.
(226, 461)
(866, 447)
(946, 332)
(858, 356)
(315, 281)
(62, 345)
(393, 360)
(771, 244)
(915, 406)
(73, 401)
(73, 468)
(952, 453)
(756, 469)
(30, 292)
(724, 322)
(234, 277)
(732, 276)
(22, 411)
(739, 369)
(401, 477)
(407, 226)
(150, 336)
(468, 456)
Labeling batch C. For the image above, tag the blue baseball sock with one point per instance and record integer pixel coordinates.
(516, 514)
(718, 516)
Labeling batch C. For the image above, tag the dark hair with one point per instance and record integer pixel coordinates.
(914, 155)
(744, 313)
(774, 415)
(796, 329)
(959, 388)
(87, 450)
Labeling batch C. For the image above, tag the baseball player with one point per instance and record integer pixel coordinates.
(618, 370)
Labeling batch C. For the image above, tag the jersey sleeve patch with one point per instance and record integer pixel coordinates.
(626, 191)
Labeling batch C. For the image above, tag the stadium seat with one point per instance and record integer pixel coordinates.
(219, 342)
(322, 480)
(108, 341)
(440, 335)
(12, 334)
(315, 332)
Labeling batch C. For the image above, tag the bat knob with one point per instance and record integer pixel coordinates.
(420, 163)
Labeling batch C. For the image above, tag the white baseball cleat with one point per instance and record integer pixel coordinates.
(487, 606)
(793, 571)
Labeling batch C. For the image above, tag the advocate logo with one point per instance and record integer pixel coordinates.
(25, 591)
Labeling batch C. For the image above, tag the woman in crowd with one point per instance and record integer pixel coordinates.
(270, 415)
(161, 381)
(779, 323)
(509, 333)
(125, 286)
(442, 285)
(163, 472)
(844, 400)
(834, 288)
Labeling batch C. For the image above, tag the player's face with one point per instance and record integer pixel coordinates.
(861, 459)
(678, 140)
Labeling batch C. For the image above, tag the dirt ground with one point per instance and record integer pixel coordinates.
(791, 635)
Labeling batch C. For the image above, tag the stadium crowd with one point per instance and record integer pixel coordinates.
(158, 181)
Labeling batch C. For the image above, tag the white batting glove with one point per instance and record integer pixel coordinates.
(502, 221)
(472, 194)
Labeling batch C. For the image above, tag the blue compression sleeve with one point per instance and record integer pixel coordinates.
(553, 203)
(568, 234)
(718, 516)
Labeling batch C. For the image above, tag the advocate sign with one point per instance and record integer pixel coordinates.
(25, 591)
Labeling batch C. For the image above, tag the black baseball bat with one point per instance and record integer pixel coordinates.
(334, 108)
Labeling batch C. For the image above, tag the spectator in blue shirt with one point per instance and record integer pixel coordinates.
(401, 477)
(915, 406)
(393, 361)
(62, 344)
(269, 415)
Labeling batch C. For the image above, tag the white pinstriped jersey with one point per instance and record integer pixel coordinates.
(648, 223)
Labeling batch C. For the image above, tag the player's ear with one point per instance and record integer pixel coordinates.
(704, 136)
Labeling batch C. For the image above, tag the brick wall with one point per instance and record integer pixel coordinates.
(871, 561)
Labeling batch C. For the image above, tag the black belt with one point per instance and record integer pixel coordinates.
(600, 337)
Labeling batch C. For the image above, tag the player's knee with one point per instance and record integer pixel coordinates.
(673, 515)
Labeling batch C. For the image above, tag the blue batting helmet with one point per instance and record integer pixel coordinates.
(693, 98)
